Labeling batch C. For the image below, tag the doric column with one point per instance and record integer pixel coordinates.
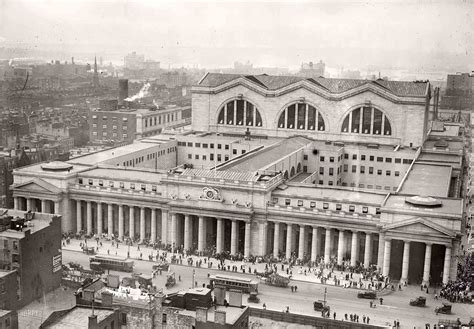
(380, 251)
(327, 246)
(142, 223)
(340, 247)
(201, 236)
(100, 224)
(247, 240)
(164, 226)
(405, 261)
(301, 242)
(263, 239)
(187, 232)
(354, 251)
(386, 257)
(131, 222)
(89, 217)
(314, 245)
(233, 238)
(43, 206)
(174, 231)
(427, 266)
(447, 264)
(78, 216)
(56, 207)
(110, 220)
(120, 224)
(219, 235)
(153, 225)
(367, 249)
(16, 203)
(276, 239)
(289, 240)
(29, 204)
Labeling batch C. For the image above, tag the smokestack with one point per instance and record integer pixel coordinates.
(123, 90)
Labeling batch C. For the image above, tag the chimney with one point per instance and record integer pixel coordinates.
(123, 90)
(219, 317)
(201, 314)
(92, 321)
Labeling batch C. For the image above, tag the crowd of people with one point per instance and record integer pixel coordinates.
(460, 290)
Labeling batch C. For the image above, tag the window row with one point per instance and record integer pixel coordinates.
(371, 186)
(217, 157)
(378, 159)
(122, 185)
(301, 116)
(114, 127)
(239, 112)
(203, 145)
(105, 134)
(367, 120)
(326, 205)
(160, 119)
(104, 117)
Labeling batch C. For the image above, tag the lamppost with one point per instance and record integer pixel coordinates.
(194, 273)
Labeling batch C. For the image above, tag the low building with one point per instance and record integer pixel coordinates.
(8, 319)
(83, 317)
(30, 246)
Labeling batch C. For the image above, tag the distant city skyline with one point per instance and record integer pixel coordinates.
(353, 34)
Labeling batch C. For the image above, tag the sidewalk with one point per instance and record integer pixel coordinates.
(298, 272)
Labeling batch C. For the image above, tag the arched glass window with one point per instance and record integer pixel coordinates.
(239, 112)
(367, 120)
(301, 116)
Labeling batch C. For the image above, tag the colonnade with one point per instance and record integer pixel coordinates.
(47, 206)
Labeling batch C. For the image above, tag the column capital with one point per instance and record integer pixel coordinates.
(407, 241)
(429, 244)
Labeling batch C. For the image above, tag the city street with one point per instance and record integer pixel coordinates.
(341, 300)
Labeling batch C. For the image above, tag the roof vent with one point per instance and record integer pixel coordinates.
(424, 201)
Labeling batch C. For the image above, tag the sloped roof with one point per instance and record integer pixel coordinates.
(229, 175)
(335, 86)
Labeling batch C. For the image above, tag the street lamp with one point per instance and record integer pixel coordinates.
(194, 273)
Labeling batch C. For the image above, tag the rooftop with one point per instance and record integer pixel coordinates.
(334, 86)
(77, 317)
(449, 206)
(427, 178)
(126, 174)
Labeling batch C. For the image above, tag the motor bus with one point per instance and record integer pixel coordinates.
(121, 264)
(246, 285)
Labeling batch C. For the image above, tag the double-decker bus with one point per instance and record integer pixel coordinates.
(115, 263)
(246, 285)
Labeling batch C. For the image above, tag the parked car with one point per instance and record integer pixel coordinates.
(367, 295)
(444, 309)
(418, 301)
(320, 305)
(253, 298)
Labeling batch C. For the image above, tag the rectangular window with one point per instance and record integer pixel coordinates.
(338, 206)
(132, 186)
(397, 173)
(305, 157)
(371, 158)
(331, 171)
(346, 156)
(371, 170)
(354, 156)
(379, 172)
(80, 181)
(305, 168)
(388, 160)
(287, 202)
(330, 183)
(211, 156)
(190, 144)
(321, 182)
(346, 167)
(226, 158)
(398, 160)
(226, 147)
(362, 169)
(300, 203)
(354, 168)
(204, 157)
(91, 182)
(143, 187)
(190, 156)
(379, 159)
(121, 184)
(196, 156)
(234, 151)
(362, 157)
(219, 158)
(377, 211)
(312, 204)
(352, 208)
(321, 158)
(388, 173)
(321, 170)
(204, 145)
(325, 205)
(406, 161)
(153, 188)
(331, 159)
(365, 210)
(219, 146)
(101, 182)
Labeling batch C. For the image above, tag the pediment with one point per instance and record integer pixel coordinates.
(419, 226)
(36, 185)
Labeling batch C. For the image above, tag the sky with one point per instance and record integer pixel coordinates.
(266, 33)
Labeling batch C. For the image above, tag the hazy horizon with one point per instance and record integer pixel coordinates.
(215, 34)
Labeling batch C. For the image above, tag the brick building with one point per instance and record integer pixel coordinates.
(30, 246)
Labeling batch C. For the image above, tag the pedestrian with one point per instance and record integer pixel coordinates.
(371, 303)
(287, 309)
(108, 251)
(291, 288)
(363, 319)
(334, 315)
(296, 288)
(264, 306)
(381, 301)
(345, 316)
(368, 319)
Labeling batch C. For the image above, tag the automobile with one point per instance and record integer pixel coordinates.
(89, 250)
(444, 309)
(320, 305)
(367, 295)
(161, 266)
(418, 301)
(253, 298)
(170, 280)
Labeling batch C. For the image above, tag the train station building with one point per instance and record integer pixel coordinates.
(319, 169)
